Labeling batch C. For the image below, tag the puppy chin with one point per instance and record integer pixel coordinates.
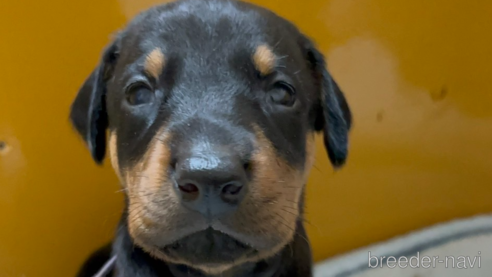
(209, 251)
(212, 269)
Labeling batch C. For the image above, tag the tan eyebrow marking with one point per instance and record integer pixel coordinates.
(264, 59)
(154, 63)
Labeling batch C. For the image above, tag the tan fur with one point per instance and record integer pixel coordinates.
(154, 63)
(147, 181)
(153, 207)
(113, 153)
(264, 59)
(270, 209)
(281, 186)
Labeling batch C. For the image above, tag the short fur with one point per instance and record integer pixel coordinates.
(154, 63)
(264, 59)
(211, 67)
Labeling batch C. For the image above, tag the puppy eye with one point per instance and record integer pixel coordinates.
(139, 94)
(283, 94)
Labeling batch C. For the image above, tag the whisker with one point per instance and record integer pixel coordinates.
(278, 43)
(320, 232)
(289, 212)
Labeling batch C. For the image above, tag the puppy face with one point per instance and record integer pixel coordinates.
(211, 107)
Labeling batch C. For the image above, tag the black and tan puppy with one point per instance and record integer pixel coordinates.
(212, 107)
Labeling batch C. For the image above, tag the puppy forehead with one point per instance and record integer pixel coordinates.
(199, 24)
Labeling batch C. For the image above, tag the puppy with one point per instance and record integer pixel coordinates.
(211, 108)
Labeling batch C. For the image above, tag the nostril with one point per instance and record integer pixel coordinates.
(188, 188)
(231, 189)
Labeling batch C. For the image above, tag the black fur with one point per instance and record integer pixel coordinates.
(208, 71)
(88, 111)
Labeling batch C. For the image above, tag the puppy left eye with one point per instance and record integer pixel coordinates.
(283, 94)
(139, 94)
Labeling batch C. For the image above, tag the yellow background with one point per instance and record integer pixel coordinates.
(416, 74)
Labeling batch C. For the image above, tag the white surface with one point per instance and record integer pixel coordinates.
(466, 247)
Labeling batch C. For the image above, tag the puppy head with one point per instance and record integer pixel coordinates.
(212, 107)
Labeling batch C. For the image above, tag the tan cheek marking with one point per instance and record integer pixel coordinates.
(147, 222)
(278, 186)
(310, 154)
(149, 173)
(156, 162)
(273, 174)
(274, 169)
(147, 185)
(154, 63)
(275, 193)
(275, 180)
(264, 59)
(113, 152)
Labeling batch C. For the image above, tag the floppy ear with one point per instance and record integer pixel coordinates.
(334, 117)
(88, 111)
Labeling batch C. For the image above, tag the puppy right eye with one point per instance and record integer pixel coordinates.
(139, 94)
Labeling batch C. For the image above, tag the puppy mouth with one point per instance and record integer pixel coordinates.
(208, 247)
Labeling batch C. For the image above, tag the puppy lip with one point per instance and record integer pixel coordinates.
(211, 227)
(220, 245)
(211, 230)
(245, 239)
(216, 227)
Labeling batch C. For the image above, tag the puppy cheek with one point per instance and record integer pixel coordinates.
(136, 224)
(310, 155)
(150, 192)
(113, 153)
(277, 187)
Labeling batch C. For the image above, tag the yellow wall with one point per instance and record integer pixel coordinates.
(416, 74)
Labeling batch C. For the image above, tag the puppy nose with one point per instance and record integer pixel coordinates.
(212, 183)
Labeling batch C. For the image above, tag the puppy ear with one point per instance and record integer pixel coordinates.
(333, 117)
(88, 110)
